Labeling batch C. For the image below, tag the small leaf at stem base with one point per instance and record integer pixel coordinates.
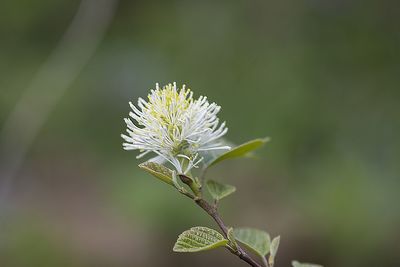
(273, 250)
(218, 190)
(232, 241)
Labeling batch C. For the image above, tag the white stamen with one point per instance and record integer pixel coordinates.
(174, 125)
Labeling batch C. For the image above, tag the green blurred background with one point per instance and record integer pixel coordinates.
(321, 78)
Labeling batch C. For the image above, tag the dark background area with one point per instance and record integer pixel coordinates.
(321, 78)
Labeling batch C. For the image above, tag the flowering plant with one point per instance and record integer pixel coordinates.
(185, 134)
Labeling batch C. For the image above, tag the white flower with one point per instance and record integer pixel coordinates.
(174, 126)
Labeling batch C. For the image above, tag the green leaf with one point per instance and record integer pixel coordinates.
(232, 240)
(199, 239)
(275, 246)
(157, 170)
(273, 250)
(256, 240)
(298, 264)
(240, 151)
(218, 191)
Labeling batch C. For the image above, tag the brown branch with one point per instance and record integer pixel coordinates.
(212, 211)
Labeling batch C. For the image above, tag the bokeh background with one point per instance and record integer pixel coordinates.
(321, 78)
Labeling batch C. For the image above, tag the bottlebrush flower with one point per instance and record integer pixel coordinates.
(174, 126)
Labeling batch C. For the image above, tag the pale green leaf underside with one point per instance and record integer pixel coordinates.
(273, 250)
(256, 240)
(218, 190)
(298, 264)
(241, 150)
(199, 239)
(157, 170)
(274, 246)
